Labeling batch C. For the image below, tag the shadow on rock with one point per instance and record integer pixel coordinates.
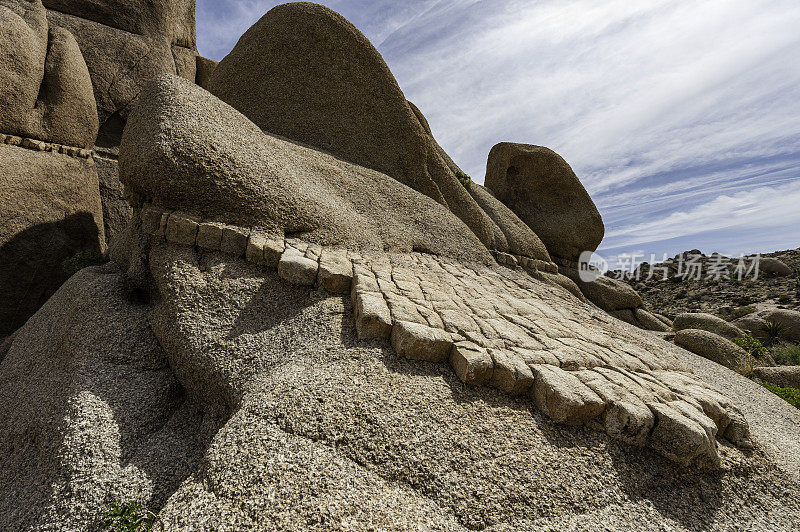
(31, 265)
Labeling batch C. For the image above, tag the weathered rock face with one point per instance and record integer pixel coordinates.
(787, 320)
(185, 149)
(541, 188)
(117, 210)
(306, 73)
(127, 42)
(205, 68)
(281, 370)
(45, 90)
(49, 211)
(753, 324)
(49, 200)
(95, 416)
(219, 373)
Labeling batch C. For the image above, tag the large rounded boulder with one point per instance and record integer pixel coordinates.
(787, 322)
(45, 89)
(713, 347)
(541, 188)
(707, 322)
(306, 73)
(127, 42)
(186, 150)
(775, 267)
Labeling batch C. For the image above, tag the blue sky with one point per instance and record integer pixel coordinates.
(681, 117)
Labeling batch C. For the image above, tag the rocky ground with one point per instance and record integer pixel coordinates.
(727, 298)
(756, 306)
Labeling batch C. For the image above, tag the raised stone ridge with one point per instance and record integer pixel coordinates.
(500, 327)
(40, 145)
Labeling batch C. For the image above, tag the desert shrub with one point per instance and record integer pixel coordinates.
(773, 330)
(128, 517)
(788, 394)
(464, 179)
(747, 366)
(787, 355)
(731, 314)
(785, 299)
(752, 345)
(744, 301)
(81, 260)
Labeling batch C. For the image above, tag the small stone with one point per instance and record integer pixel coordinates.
(297, 269)
(335, 272)
(506, 259)
(511, 374)
(273, 249)
(364, 279)
(182, 229)
(255, 247)
(313, 251)
(373, 319)
(209, 235)
(680, 438)
(472, 363)
(160, 233)
(234, 240)
(420, 342)
(33, 144)
(563, 397)
(151, 219)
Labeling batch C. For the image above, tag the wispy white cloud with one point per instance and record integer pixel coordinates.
(667, 109)
(759, 208)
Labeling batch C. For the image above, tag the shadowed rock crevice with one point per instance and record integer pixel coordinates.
(31, 264)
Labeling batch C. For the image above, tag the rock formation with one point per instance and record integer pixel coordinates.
(49, 200)
(331, 89)
(541, 188)
(125, 43)
(182, 146)
(713, 347)
(706, 322)
(288, 338)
